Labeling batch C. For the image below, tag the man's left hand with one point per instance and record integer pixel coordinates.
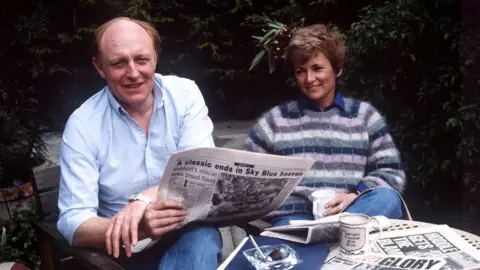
(124, 226)
(339, 202)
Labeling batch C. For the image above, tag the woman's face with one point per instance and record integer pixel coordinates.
(316, 79)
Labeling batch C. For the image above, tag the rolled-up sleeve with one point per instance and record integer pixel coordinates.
(78, 192)
(384, 165)
(196, 127)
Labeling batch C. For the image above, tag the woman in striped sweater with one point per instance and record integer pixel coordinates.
(355, 154)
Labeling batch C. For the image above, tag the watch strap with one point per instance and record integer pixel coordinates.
(140, 197)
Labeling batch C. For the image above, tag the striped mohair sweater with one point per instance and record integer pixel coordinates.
(351, 146)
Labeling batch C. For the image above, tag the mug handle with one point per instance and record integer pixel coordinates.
(315, 208)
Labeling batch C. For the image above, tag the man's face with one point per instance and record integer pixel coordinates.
(127, 61)
(316, 79)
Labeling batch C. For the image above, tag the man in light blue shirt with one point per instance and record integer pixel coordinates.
(115, 149)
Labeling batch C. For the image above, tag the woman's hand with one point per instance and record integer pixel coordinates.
(339, 202)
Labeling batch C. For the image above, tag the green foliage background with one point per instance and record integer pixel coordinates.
(407, 57)
(411, 60)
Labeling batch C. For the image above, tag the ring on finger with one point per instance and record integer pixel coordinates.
(341, 207)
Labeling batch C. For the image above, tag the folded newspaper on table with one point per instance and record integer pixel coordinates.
(323, 230)
(438, 242)
(221, 185)
(383, 262)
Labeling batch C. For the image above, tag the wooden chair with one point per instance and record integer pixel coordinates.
(55, 252)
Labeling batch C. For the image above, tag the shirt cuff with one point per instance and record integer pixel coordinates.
(361, 187)
(143, 245)
(68, 224)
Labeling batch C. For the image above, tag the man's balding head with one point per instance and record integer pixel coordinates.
(128, 24)
(127, 53)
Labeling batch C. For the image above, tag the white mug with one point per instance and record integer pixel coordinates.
(355, 238)
(319, 199)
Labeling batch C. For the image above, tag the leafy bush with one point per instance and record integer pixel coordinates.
(18, 241)
(408, 58)
(21, 145)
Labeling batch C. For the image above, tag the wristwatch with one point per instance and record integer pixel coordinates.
(139, 197)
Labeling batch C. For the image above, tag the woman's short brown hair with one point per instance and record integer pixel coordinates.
(309, 40)
(148, 27)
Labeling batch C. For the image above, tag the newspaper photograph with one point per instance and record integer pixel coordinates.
(382, 262)
(439, 241)
(224, 185)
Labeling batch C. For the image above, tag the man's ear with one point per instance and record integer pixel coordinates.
(339, 72)
(98, 66)
(155, 59)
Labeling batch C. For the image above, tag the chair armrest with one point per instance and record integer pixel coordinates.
(91, 258)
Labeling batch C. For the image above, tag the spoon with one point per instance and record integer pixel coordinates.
(257, 248)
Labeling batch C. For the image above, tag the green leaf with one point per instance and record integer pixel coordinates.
(468, 107)
(469, 62)
(413, 57)
(276, 26)
(3, 239)
(257, 59)
(270, 33)
(271, 62)
(452, 122)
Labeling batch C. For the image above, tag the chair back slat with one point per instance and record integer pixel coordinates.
(47, 178)
(45, 187)
(49, 202)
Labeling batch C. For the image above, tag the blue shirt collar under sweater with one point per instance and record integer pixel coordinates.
(305, 103)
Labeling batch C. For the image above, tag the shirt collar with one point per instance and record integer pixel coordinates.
(305, 103)
(158, 98)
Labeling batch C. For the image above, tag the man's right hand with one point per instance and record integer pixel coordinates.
(163, 216)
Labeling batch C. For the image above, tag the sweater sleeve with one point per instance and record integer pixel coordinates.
(261, 136)
(384, 166)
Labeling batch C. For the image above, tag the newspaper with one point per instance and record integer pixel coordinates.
(438, 241)
(383, 262)
(221, 185)
(323, 230)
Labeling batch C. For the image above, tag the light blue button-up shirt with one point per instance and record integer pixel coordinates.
(106, 156)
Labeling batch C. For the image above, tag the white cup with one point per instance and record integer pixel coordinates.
(319, 199)
(355, 238)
